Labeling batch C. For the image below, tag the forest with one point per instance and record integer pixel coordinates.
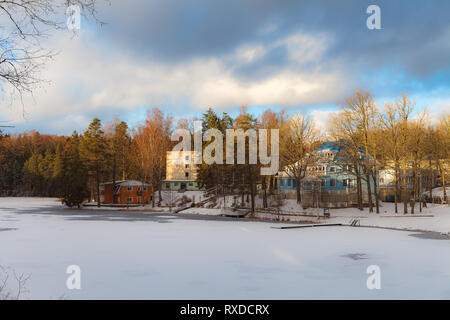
(72, 167)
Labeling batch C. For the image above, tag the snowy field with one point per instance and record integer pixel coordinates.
(125, 255)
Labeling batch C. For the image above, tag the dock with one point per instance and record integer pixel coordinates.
(309, 226)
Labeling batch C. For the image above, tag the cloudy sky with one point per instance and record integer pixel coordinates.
(185, 56)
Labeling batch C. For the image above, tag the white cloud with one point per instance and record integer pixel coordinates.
(321, 119)
(89, 79)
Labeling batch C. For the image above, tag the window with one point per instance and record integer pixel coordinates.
(187, 158)
(323, 182)
(186, 166)
(186, 174)
(176, 184)
(167, 185)
(332, 182)
(344, 182)
(190, 184)
(129, 188)
(145, 188)
(129, 199)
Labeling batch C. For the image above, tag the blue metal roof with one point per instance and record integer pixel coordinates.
(335, 146)
(332, 146)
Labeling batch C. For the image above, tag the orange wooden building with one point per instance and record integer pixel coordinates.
(125, 192)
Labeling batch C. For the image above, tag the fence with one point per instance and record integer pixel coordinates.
(330, 199)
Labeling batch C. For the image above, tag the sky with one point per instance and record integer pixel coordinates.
(186, 56)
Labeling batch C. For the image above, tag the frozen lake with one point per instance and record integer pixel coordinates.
(162, 256)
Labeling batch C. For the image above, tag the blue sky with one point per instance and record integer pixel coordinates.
(186, 56)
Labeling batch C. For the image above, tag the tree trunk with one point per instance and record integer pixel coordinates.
(252, 192)
(377, 198)
(98, 186)
(153, 197)
(430, 183)
(414, 177)
(396, 178)
(271, 184)
(420, 190)
(159, 193)
(369, 191)
(297, 189)
(359, 191)
(443, 185)
(405, 191)
(264, 185)
(143, 194)
(114, 178)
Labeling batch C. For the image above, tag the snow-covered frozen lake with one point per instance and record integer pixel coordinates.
(161, 256)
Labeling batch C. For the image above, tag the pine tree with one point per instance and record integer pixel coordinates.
(120, 144)
(94, 150)
(57, 171)
(215, 175)
(73, 174)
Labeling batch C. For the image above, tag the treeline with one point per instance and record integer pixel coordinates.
(72, 168)
(30, 164)
(412, 147)
(297, 138)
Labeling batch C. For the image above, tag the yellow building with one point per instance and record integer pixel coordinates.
(181, 171)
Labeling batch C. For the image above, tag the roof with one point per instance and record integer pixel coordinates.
(127, 183)
(336, 148)
(329, 146)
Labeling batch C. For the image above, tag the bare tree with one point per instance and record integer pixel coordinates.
(346, 132)
(360, 111)
(6, 292)
(24, 25)
(437, 144)
(416, 149)
(444, 126)
(151, 142)
(395, 122)
(297, 139)
(270, 120)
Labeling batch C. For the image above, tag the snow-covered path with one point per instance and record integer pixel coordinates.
(175, 257)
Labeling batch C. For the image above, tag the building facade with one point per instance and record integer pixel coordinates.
(329, 181)
(425, 179)
(125, 192)
(181, 171)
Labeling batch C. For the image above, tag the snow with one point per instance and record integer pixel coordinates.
(163, 256)
(435, 217)
(437, 193)
(127, 183)
(202, 211)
